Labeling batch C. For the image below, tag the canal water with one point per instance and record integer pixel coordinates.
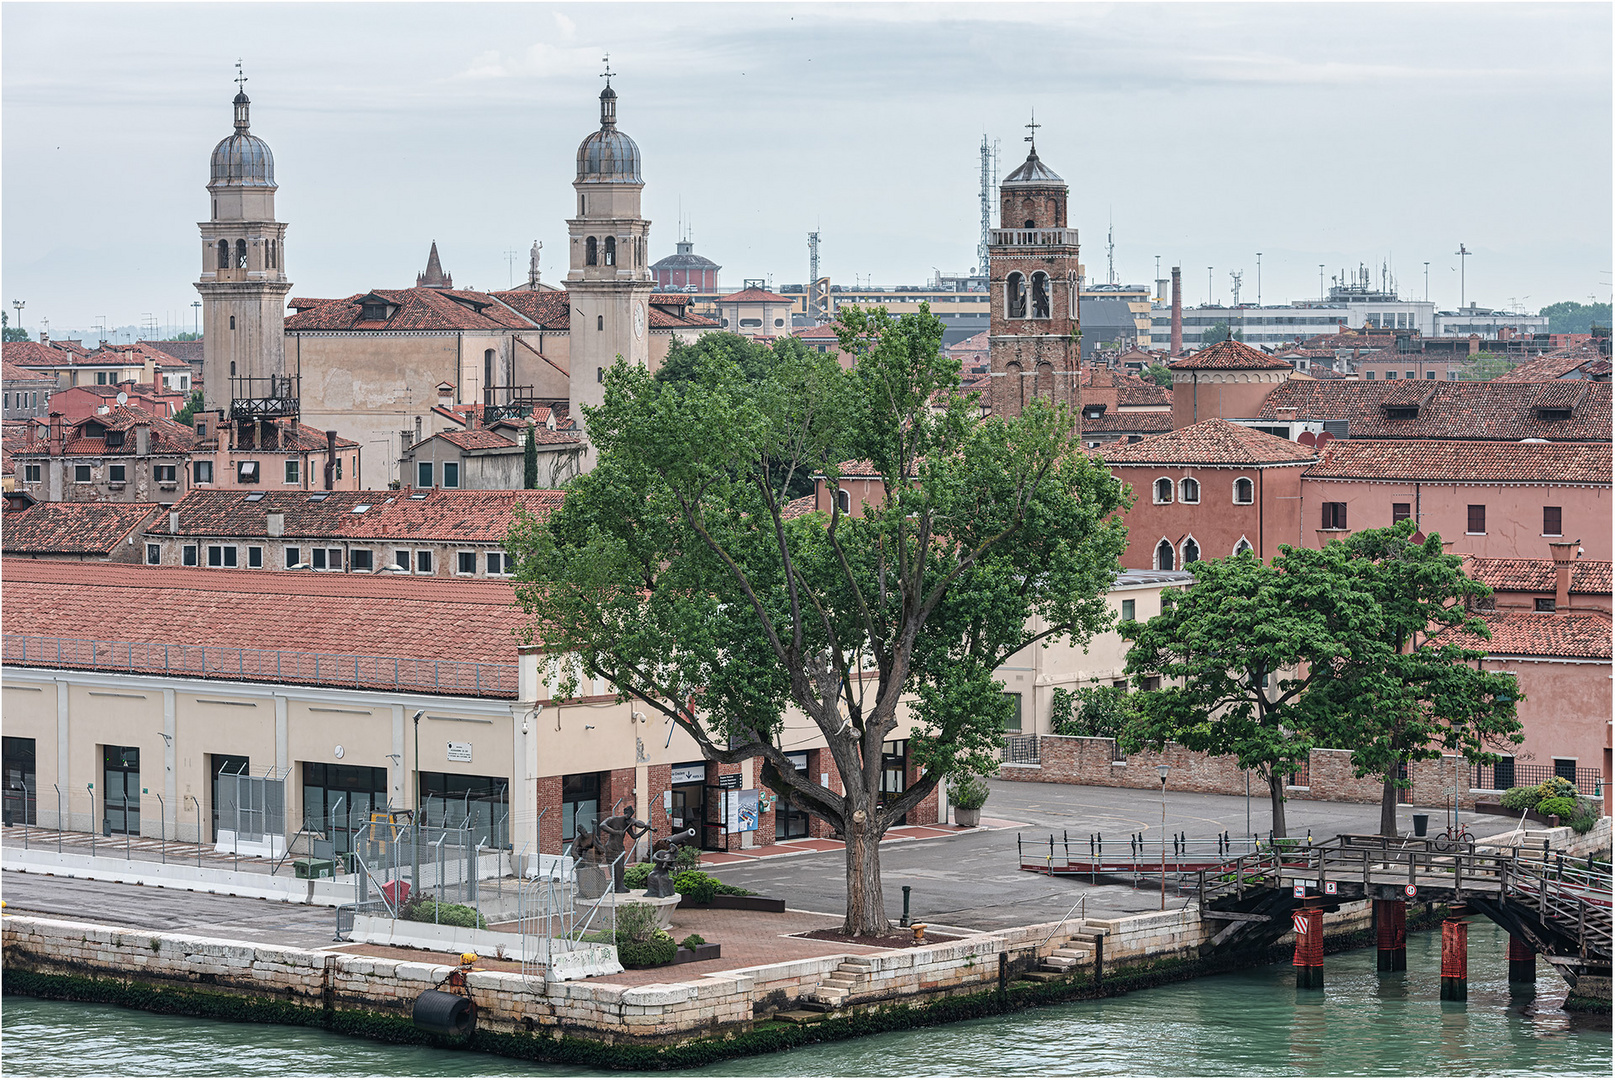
(1251, 1023)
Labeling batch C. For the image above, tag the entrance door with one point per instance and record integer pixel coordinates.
(120, 788)
(338, 799)
(715, 830)
(790, 821)
(894, 773)
(223, 767)
(688, 809)
(20, 804)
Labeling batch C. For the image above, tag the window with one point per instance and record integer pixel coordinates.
(591, 251)
(500, 563)
(294, 557)
(1369, 374)
(202, 472)
(1150, 682)
(844, 500)
(81, 474)
(611, 251)
(1547, 604)
(599, 374)
(221, 555)
(361, 559)
(1401, 512)
(165, 474)
(451, 474)
(1334, 515)
(241, 258)
(466, 563)
(1040, 295)
(423, 562)
(1190, 489)
(1012, 722)
(1477, 521)
(600, 324)
(401, 560)
(102, 378)
(1165, 557)
(1191, 552)
(1552, 521)
(154, 554)
(224, 255)
(1565, 768)
(1128, 608)
(1242, 547)
(117, 474)
(1163, 490)
(255, 557)
(1015, 296)
(291, 471)
(246, 472)
(1244, 490)
(1413, 374)
(187, 555)
(30, 474)
(423, 477)
(318, 555)
(1429, 375)
(1390, 374)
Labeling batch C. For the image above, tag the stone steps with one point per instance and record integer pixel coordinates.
(848, 978)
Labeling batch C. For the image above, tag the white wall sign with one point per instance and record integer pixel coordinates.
(460, 751)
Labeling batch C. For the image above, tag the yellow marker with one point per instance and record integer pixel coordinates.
(468, 958)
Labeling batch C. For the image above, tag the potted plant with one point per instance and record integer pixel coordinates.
(968, 795)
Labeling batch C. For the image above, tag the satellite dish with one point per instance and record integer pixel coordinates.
(1306, 438)
(123, 398)
(1324, 438)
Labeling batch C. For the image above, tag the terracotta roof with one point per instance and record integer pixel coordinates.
(1564, 364)
(661, 318)
(754, 295)
(797, 507)
(1432, 461)
(858, 469)
(1453, 410)
(1587, 576)
(414, 309)
(188, 351)
(1572, 635)
(1129, 422)
(973, 343)
(416, 514)
(72, 528)
(13, 373)
(478, 440)
(1228, 356)
(452, 622)
(827, 332)
(549, 310)
(38, 354)
(1210, 442)
(167, 437)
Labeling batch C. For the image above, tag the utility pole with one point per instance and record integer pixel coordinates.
(1321, 293)
(17, 306)
(196, 317)
(510, 268)
(1209, 293)
(1258, 279)
(1427, 280)
(1462, 253)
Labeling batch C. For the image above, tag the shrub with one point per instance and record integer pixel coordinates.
(637, 876)
(726, 889)
(692, 942)
(1556, 788)
(637, 922)
(659, 949)
(687, 858)
(696, 887)
(969, 792)
(1520, 798)
(1585, 816)
(443, 914)
(1562, 807)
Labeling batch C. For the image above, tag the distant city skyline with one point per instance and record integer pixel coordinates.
(1334, 134)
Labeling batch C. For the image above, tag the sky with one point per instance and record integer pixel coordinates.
(1342, 134)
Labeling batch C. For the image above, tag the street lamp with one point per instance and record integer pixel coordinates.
(18, 305)
(196, 317)
(1162, 770)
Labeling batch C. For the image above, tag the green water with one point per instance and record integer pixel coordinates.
(1250, 1023)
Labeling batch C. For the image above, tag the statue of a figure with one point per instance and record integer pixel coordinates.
(613, 837)
(532, 264)
(662, 857)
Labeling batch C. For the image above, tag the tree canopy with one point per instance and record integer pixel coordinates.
(1569, 317)
(1160, 373)
(1218, 331)
(672, 572)
(12, 333)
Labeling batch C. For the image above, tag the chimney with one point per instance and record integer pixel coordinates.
(1285, 413)
(275, 523)
(330, 460)
(1177, 311)
(173, 522)
(142, 440)
(1564, 558)
(58, 438)
(33, 434)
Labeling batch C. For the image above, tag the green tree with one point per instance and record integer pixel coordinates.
(1218, 331)
(1410, 689)
(1569, 317)
(1160, 373)
(1239, 654)
(530, 462)
(671, 573)
(1483, 367)
(12, 333)
(1096, 712)
(193, 405)
(186, 336)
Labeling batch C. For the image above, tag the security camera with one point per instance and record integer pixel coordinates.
(418, 714)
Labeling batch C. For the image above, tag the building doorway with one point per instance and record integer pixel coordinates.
(580, 804)
(790, 820)
(688, 809)
(481, 802)
(120, 789)
(17, 765)
(224, 790)
(894, 773)
(338, 799)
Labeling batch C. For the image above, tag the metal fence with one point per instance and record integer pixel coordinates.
(470, 678)
(1021, 750)
(253, 808)
(1508, 773)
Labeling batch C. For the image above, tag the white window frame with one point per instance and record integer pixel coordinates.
(456, 484)
(459, 562)
(154, 550)
(293, 473)
(190, 555)
(197, 470)
(83, 474)
(1199, 552)
(1183, 491)
(1155, 491)
(426, 555)
(353, 555)
(1244, 502)
(255, 551)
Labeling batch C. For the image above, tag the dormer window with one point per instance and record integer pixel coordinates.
(374, 313)
(1553, 414)
(1401, 412)
(114, 439)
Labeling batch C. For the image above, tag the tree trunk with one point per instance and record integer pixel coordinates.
(1387, 808)
(1275, 790)
(866, 904)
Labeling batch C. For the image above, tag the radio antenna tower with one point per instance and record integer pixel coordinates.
(986, 206)
(813, 255)
(1110, 253)
(1237, 277)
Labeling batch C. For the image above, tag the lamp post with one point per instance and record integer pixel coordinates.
(196, 317)
(1162, 770)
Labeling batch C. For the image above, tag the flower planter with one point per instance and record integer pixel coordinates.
(737, 903)
(710, 951)
(967, 818)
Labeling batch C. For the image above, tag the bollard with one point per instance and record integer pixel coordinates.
(1391, 934)
(1308, 949)
(906, 889)
(1454, 960)
(1521, 961)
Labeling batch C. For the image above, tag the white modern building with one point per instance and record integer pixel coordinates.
(1488, 323)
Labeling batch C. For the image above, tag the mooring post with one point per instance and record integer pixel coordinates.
(1308, 949)
(906, 890)
(1454, 960)
(1391, 934)
(1099, 958)
(1003, 976)
(1521, 961)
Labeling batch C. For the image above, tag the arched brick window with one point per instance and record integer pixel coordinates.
(224, 254)
(1165, 557)
(591, 252)
(1040, 295)
(1015, 296)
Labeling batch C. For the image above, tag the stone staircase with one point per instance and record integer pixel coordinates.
(849, 977)
(1076, 951)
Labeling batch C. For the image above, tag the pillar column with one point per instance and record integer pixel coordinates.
(1308, 950)
(1391, 918)
(1454, 960)
(1521, 961)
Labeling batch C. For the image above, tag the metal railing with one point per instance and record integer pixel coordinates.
(1021, 750)
(1032, 237)
(463, 677)
(1507, 774)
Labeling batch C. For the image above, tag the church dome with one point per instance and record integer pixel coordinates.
(608, 156)
(1033, 172)
(243, 159)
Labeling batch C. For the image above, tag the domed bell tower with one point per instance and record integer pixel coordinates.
(608, 280)
(243, 282)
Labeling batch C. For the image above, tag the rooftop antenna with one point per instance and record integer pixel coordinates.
(1110, 251)
(1463, 292)
(510, 267)
(986, 205)
(1237, 277)
(1258, 279)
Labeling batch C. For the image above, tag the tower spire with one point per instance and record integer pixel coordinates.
(241, 100)
(608, 98)
(1032, 127)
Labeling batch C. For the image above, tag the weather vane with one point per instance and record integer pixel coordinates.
(607, 76)
(1032, 127)
(241, 78)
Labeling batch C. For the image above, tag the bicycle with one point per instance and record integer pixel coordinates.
(1452, 838)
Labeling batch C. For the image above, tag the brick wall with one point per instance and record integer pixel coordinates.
(549, 826)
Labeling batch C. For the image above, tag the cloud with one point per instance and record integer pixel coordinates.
(539, 60)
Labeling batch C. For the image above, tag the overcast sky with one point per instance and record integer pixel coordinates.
(1335, 134)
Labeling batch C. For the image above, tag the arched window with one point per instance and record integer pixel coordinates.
(1189, 490)
(1045, 380)
(1243, 546)
(232, 326)
(1191, 552)
(599, 322)
(232, 363)
(611, 251)
(224, 254)
(591, 252)
(1243, 490)
(1054, 213)
(1164, 559)
(844, 500)
(1040, 295)
(1163, 490)
(1030, 224)
(1015, 296)
(241, 254)
(274, 253)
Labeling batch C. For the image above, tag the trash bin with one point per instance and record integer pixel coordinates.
(1421, 824)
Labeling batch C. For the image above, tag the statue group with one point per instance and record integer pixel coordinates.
(601, 854)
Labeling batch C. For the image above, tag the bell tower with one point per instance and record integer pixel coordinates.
(608, 281)
(1034, 336)
(243, 282)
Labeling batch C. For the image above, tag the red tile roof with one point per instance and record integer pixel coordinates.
(1432, 461)
(37, 354)
(1587, 576)
(13, 373)
(1564, 364)
(414, 309)
(754, 295)
(1129, 422)
(1210, 442)
(167, 437)
(478, 440)
(549, 310)
(1229, 356)
(445, 624)
(188, 351)
(72, 528)
(416, 514)
(827, 332)
(1454, 410)
(797, 507)
(1564, 636)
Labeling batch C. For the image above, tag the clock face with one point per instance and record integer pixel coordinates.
(639, 319)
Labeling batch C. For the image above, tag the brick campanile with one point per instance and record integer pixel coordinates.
(1034, 336)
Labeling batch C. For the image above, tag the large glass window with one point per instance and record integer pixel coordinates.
(580, 803)
(481, 802)
(221, 767)
(17, 765)
(338, 799)
(120, 789)
(894, 772)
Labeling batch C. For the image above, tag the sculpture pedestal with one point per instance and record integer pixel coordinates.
(664, 905)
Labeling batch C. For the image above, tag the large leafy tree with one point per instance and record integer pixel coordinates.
(1570, 317)
(1413, 689)
(1239, 654)
(672, 572)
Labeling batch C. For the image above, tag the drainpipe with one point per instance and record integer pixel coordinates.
(330, 460)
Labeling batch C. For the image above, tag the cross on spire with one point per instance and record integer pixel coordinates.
(1032, 127)
(241, 78)
(608, 72)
